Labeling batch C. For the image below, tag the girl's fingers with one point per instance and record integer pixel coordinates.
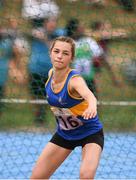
(87, 115)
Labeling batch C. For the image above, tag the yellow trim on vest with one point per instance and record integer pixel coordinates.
(79, 109)
(49, 76)
(71, 95)
(58, 90)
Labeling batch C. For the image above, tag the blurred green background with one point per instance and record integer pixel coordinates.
(115, 118)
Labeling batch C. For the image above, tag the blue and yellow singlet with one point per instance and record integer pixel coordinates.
(68, 111)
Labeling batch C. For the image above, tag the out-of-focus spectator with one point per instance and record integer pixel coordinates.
(20, 47)
(87, 50)
(43, 15)
(6, 55)
(103, 32)
(39, 61)
(38, 9)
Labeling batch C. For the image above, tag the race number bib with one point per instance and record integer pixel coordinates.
(66, 119)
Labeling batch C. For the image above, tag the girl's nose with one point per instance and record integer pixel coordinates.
(60, 55)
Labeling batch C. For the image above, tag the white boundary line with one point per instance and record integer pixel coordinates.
(41, 101)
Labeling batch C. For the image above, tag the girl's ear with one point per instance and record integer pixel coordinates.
(72, 59)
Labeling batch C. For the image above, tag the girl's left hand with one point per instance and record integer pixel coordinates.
(90, 112)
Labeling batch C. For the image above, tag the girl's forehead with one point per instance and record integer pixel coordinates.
(62, 45)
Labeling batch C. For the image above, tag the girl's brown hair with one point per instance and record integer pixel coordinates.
(65, 39)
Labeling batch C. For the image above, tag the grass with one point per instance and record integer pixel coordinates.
(115, 118)
(20, 116)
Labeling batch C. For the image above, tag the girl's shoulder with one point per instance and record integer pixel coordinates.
(74, 71)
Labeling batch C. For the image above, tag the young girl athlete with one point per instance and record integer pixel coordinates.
(75, 109)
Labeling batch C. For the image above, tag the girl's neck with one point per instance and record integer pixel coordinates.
(59, 75)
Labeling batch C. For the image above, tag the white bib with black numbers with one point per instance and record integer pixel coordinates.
(65, 118)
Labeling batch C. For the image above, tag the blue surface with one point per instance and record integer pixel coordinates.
(19, 151)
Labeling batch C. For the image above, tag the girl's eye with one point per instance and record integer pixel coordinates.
(55, 51)
(66, 54)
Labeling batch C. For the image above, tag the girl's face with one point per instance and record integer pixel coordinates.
(61, 55)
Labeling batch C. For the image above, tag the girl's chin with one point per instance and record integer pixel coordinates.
(58, 67)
